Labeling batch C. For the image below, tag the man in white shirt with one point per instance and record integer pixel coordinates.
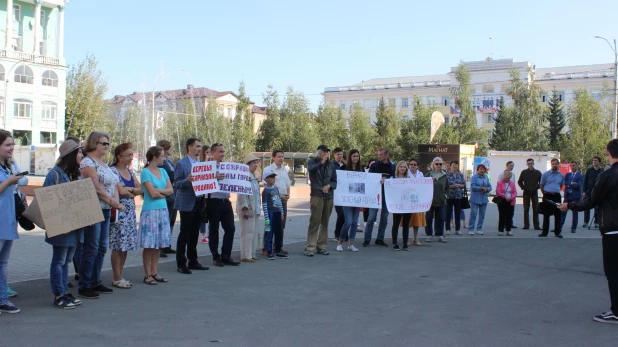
(282, 182)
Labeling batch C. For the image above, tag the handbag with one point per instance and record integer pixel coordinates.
(465, 202)
(497, 200)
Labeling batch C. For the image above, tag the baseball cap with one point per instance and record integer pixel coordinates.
(323, 148)
(267, 173)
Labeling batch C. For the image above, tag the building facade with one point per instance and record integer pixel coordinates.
(33, 80)
(490, 80)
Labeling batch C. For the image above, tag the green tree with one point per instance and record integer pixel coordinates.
(362, 133)
(466, 125)
(243, 137)
(504, 134)
(527, 112)
(589, 130)
(268, 135)
(333, 131)
(298, 131)
(388, 128)
(556, 121)
(416, 130)
(86, 109)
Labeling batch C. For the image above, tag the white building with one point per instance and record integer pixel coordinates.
(33, 79)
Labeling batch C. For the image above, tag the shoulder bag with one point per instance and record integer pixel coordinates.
(465, 202)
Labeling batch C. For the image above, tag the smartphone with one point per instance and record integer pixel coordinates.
(22, 173)
(557, 204)
(385, 175)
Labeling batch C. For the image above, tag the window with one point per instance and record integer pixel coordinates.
(229, 112)
(22, 137)
(560, 96)
(489, 117)
(445, 101)
(16, 12)
(48, 137)
(17, 43)
(543, 98)
(50, 78)
(42, 19)
(431, 100)
(48, 111)
(391, 102)
(367, 104)
(22, 108)
(343, 105)
(596, 95)
(23, 74)
(42, 48)
(404, 102)
(1, 73)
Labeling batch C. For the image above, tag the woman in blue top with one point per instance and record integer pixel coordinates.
(66, 170)
(480, 186)
(8, 220)
(154, 223)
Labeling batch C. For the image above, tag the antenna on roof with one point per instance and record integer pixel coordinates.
(491, 53)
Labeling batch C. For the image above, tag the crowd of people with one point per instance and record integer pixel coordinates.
(167, 190)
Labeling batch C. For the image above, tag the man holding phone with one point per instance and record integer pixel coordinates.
(282, 182)
(551, 183)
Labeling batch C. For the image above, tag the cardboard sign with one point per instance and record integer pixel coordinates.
(204, 178)
(358, 189)
(237, 178)
(68, 206)
(408, 195)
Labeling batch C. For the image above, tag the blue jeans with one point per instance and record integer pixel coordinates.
(351, 222)
(59, 269)
(96, 239)
(373, 215)
(5, 251)
(438, 212)
(474, 209)
(276, 231)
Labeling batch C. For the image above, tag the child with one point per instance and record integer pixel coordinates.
(273, 216)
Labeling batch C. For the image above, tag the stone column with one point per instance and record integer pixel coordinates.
(9, 24)
(37, 26)
(61, 33)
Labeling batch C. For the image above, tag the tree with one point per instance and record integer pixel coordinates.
(86, 109)
(556, 121)
(388, 128)
(466, 124)
(589, 130)
(362, 133)
(332, 126)
(243, 138)
(268, 135)
(416, 130)
(504, 134)
(298, 131)
(527, 112)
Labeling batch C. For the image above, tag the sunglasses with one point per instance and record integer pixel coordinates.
(216, 144)
(439, 164)
(104, 144)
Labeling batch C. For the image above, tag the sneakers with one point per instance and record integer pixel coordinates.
(365, 243)
(448, 232)
(396, 248)
(87, 293)
(64, 303)
(323, 252)
(339, 248)
(499, 233)
(8, 307)
(352, 249)
(607, 317)
(204, 239)
(281, 256)
(508, 233)
(270, 256)
(381, 243)
(10, 292)
(308, 254)
(428, 239)
(479, 232)
(101, 289)
(559, 236)
(585, 225)
(457, 232)
(442, 239)
(336, 239)
(73, 299)
(405, 248)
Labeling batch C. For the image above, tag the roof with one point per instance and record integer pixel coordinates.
(577, 71)
(189, 92)
(287, 155)
(258, 109)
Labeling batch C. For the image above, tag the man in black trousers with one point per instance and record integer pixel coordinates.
(551, 183)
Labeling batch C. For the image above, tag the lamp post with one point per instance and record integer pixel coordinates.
(614, 123)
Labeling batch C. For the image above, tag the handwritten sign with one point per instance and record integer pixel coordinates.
(68, 206)
(204, 177)
(358, 189)
(237, 178)
(408, 195)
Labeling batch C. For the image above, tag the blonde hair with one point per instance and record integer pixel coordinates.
(507, 172)
(403, 162)
(90, 145)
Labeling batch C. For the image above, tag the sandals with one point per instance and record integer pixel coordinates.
(150, 281)
(158, 278)
(123, 284)
(417, 243)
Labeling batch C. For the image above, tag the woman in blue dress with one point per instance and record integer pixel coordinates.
(154, 223)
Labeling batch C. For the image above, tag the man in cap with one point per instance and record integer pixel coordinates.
(323, 182)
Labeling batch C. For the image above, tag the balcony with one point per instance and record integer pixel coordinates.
(40, 59)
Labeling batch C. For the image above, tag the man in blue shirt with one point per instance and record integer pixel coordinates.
(573, 183)
(551, 183)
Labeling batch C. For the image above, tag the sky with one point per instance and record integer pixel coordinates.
(310, 45)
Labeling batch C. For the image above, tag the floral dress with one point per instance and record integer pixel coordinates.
(123, 233)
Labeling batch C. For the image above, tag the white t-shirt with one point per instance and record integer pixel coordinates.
(107, 178)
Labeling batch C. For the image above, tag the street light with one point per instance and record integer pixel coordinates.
(614, 123)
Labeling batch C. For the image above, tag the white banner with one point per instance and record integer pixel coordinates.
(237, 178)
(408, 195)
(358, 189)
(204, 178)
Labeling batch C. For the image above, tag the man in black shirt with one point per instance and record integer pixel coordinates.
(590, 179)
(529, 182)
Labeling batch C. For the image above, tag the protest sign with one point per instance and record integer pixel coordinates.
(204, 178)
(358, 189)
(237, 178)
(407, 195)
(68, 206)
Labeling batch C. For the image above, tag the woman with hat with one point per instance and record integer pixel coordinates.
(248, 209)
(66, 170)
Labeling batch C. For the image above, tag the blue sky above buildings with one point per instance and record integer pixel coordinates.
(316, 44)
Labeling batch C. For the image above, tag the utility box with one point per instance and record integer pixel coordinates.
(498, 159)
(464, 154)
